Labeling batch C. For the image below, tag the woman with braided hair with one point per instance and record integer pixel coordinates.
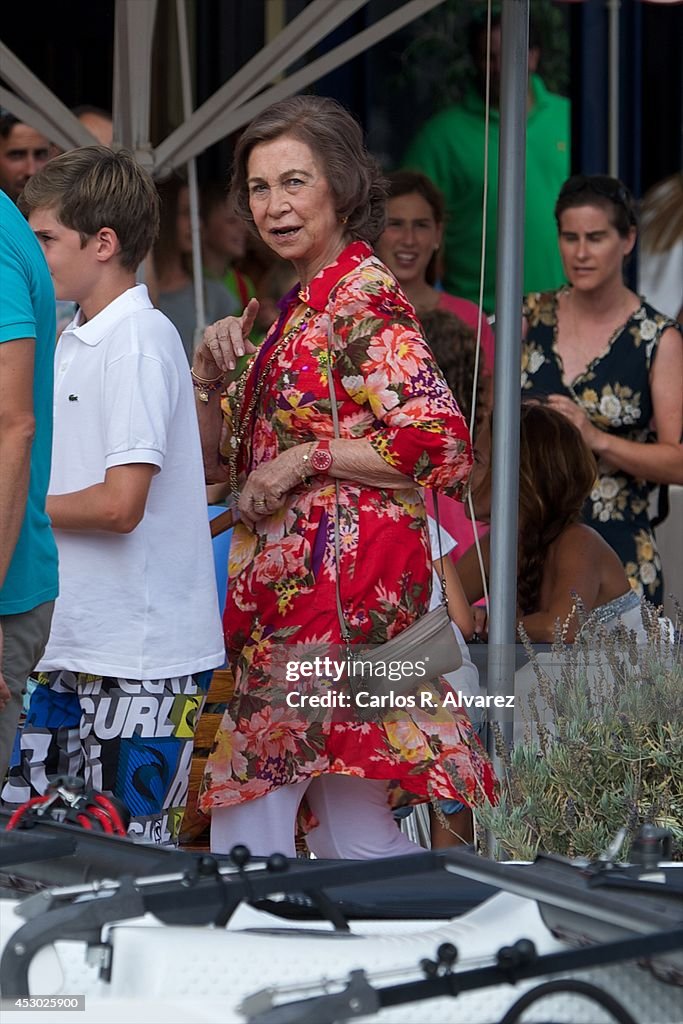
(560, 559)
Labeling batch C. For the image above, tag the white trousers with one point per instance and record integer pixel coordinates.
(356, 822)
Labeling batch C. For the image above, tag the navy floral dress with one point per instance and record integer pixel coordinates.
(614, 392)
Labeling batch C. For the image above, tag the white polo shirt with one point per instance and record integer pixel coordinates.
(141, 605)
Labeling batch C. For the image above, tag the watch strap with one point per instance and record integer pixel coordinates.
(321, 457)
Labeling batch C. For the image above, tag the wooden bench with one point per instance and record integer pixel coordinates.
(194, 831)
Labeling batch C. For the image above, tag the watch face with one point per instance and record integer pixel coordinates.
(321, 460)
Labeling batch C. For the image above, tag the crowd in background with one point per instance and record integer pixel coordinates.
(602, 378)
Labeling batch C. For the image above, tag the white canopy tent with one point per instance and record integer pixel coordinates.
(240, 99)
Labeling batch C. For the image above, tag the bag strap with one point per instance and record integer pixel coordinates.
(346, 635)
(435, 498)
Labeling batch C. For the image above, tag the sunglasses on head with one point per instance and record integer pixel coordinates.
(608, 188)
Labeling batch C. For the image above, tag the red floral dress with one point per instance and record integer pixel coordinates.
(282, 575)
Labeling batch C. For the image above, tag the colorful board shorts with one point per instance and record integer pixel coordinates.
(129, 738)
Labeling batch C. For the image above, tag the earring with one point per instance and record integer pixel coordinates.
(343, 220)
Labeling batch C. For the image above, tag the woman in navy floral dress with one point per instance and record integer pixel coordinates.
(614, 366)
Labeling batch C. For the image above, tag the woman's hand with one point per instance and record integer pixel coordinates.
(575, 414)
(224, 342)
(267, 486)
(481, 622)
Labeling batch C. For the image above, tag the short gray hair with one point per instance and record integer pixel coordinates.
(336, 139)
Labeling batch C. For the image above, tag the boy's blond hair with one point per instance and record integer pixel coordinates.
(94, 187)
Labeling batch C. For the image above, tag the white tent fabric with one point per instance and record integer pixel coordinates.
(203, 128)
(233, 105)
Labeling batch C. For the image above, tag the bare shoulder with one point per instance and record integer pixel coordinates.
(667, 358)
(671, 340)
(580, 544)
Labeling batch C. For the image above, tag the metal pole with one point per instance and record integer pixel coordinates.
(202, 130)
(275, 19)
(507, 390)
(613, 73)
(192, 187)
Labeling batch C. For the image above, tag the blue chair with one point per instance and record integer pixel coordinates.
(221, 551)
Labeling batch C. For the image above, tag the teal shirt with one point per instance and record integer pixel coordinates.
(449, 149)
(27, 310)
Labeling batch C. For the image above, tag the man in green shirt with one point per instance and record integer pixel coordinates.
(449, 148)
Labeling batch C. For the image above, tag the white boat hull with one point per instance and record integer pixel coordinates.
(162, 973)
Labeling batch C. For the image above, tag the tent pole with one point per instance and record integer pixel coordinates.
(133, 36)
(52, 118)
(275, 19)
(197, 272)
(196, 135)
(613, 86)
(507, 392)
(297, 37)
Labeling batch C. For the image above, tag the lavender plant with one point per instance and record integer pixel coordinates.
(602, 748)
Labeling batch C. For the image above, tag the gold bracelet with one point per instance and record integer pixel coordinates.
(204, 387)
(205, 380)
(306, 472)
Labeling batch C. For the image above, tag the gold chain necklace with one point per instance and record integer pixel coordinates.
(242, 419)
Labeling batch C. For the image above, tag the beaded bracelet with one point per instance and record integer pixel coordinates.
(204, 387)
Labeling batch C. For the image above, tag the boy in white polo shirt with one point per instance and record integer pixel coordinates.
(136, 630)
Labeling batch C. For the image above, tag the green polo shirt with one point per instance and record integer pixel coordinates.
(449, 148)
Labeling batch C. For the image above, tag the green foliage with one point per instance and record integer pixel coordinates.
(603, 747)
(435, 65)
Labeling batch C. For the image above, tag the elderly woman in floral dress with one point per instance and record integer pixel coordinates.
(303, 179)
(614, 366)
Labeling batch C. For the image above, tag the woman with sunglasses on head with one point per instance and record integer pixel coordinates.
(612, 365)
